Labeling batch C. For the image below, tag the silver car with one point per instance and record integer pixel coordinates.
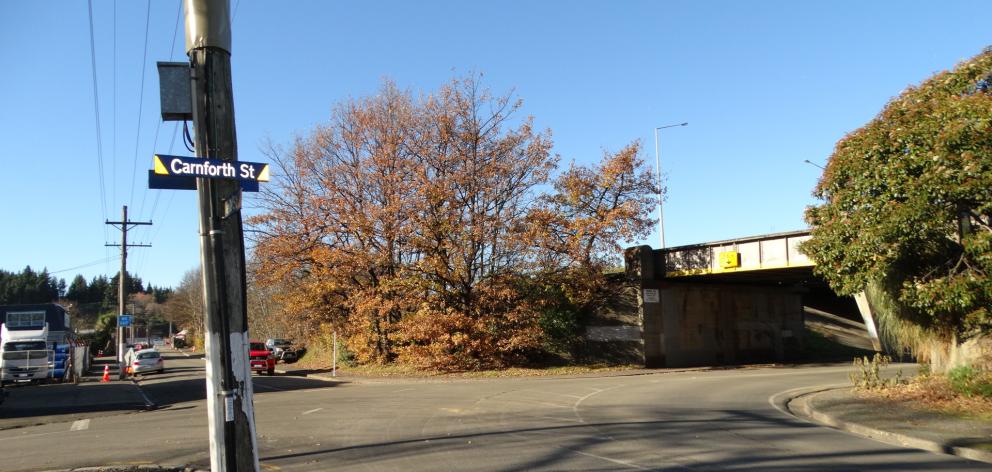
(147, 360)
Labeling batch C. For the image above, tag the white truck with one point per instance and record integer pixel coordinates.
(36, 341)
(24, 355)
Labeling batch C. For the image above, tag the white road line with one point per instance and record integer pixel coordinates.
(607, 459)
(257, 385)
(80, 425)
(30, 436)
(311, 411)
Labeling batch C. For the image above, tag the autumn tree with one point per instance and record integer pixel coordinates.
(336, 231)
(184, 307)
(577, 231)
(476, 168)
(408, 221)
(907, 206)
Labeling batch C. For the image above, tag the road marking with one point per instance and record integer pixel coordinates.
(271, 387)
(149, 404)
(311, 411)
(607, 459)
(30, 436)
(80, 425)
(567, 420)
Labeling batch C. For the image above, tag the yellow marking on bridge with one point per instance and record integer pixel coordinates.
(710, 270)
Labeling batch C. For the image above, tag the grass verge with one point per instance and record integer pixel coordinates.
(934, 393)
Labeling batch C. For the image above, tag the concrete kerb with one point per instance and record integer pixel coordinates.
(799, 405)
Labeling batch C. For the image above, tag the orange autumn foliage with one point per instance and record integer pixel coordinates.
(415, 225)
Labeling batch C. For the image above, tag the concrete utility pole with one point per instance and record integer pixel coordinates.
(231, 414)
(124, 225)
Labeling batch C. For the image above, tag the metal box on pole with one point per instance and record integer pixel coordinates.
(174, 91)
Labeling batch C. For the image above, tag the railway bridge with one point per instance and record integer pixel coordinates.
(734, 301)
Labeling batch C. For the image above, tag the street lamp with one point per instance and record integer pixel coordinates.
(657, 163)
(813, 164)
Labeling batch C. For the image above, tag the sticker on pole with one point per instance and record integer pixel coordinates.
(179, 166)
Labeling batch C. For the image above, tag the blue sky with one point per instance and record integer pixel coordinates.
(764, 86)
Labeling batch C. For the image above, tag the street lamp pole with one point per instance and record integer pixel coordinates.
(813, 164)
(657, 164)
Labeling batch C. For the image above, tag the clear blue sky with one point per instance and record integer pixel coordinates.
(764, 85)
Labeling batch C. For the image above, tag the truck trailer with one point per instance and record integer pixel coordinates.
(34, 342)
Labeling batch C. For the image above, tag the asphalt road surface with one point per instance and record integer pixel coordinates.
(703, 420)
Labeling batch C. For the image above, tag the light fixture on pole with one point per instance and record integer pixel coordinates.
(813, 164)
(657, 163)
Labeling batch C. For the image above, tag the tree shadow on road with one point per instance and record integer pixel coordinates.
(682, 440)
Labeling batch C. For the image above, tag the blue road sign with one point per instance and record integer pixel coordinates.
(168, 182)
(179, 166)
(125, 320)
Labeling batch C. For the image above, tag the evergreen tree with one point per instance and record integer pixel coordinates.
(78, 290)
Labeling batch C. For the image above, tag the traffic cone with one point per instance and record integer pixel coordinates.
(106, 373)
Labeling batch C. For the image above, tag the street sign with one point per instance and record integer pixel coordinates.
(168, 182)
(178, 166)
(125, 320)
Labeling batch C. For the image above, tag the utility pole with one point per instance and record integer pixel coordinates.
(124, 225)
(231, 413)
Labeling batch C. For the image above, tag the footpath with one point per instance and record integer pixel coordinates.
(897, 423)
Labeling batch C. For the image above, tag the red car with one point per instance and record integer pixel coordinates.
(260, 358)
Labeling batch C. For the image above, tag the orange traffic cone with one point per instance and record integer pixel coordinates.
(106, 373)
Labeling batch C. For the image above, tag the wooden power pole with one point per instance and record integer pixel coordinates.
(222, 255)
(124, 225)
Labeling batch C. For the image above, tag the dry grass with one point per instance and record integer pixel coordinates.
(319, 359)
(934, 393)
(400, 371)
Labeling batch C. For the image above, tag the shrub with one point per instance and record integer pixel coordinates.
(970, 382)
(868, 373)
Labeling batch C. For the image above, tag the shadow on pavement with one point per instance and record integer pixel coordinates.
(60, 399)
(166, 392)
(557, 447)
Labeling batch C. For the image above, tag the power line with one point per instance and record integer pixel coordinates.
(83, 266)
(96, 113)
(141, 100)
(158, 129)
(113, 134)
(158, 193)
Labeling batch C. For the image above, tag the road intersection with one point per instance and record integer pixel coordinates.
(690, 420)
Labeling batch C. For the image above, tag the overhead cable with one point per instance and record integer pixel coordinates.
(96, 115)
(141, 101)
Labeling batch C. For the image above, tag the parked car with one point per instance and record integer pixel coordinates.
(146, 361)
(282, 349)
(261, 358)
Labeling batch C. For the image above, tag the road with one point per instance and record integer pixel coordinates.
(702, 420)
